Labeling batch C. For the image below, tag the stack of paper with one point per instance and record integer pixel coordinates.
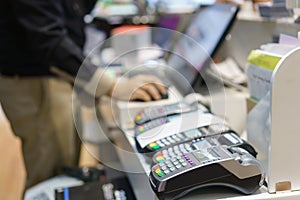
(262, 62)
(259, 72)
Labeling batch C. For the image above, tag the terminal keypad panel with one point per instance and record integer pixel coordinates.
(139, 129)
(156, 112)
(186, 136)
(228, 139)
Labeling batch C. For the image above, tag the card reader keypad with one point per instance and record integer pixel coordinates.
(187, 160)
(187, 136)
(173, 151)
(197, 144)
(150, 125)
(152, 113)
(173, 139)
(148, 114)
(172, 165)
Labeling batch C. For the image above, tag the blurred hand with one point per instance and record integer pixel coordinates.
(140, 87)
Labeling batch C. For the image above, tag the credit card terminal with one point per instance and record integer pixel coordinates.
(141, 128)
(231, 167)
(185, 136)
(227, 139)
(188, 104)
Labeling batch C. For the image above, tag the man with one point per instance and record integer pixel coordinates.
(41, 49)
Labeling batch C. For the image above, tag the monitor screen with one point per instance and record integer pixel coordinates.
(201, 40)
(162, 36)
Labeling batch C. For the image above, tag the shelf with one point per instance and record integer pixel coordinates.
(247, 13)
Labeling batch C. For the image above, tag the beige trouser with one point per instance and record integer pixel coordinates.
(40, 113)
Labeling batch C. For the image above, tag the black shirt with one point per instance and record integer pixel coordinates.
(37, 34)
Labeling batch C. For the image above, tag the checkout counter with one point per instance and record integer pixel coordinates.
(138, 165)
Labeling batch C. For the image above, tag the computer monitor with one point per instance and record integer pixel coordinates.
(202, 38)
(163, 34)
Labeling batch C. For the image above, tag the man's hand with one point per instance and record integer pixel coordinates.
(140, 87)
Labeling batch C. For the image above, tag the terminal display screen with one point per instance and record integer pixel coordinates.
(206, 156)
